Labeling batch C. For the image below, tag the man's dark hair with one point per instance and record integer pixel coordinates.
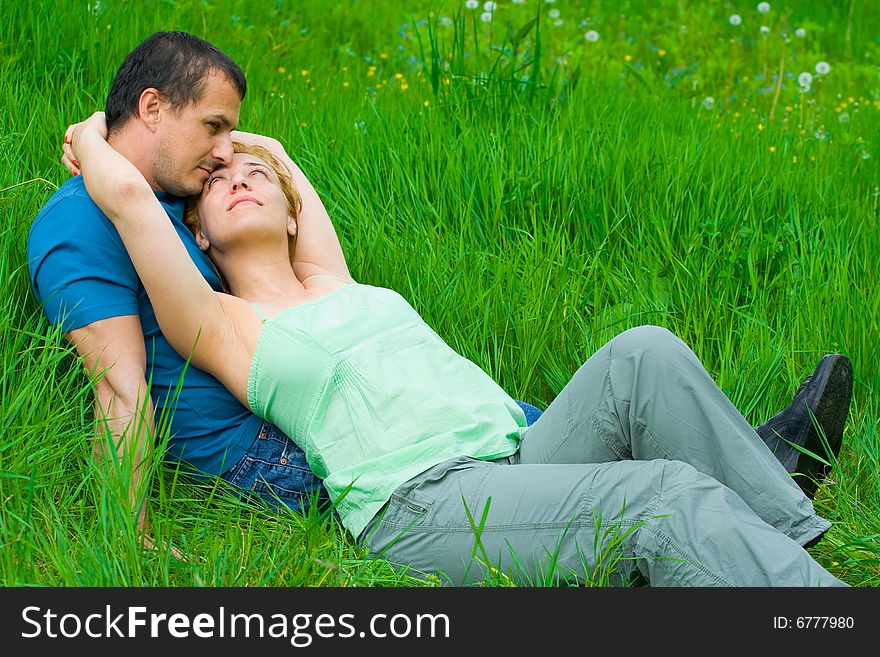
(177, 65)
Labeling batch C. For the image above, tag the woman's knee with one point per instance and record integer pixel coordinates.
(655, 340)
(682, 487)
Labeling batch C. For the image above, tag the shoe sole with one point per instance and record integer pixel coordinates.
(831, 407)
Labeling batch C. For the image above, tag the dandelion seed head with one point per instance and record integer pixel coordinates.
(822, 68)
(805, 79)
(472, 4)
(736, 19)
(553, 13)
(764, 7)
(765, 30)
(486, 17)
(800, 33)
(489, 6)
(708, 103)
(592, 36)
(843, 117)
(865, 155)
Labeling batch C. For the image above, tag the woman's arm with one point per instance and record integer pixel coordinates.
(189, 312)
(317, 245)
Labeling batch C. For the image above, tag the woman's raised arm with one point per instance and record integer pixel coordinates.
(188, 310)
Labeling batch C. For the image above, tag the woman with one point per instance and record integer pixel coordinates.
(640, 450)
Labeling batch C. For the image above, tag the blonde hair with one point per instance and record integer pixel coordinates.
(193, 221)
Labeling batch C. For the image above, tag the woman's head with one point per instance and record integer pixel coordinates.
(253, 197)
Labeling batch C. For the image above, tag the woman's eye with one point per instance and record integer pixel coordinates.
(211, 180)
(260, 171)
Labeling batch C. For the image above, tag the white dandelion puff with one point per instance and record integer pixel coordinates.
(800, 33)
(765, 30)
(489, 6)
(843, 117)
(805, 79)
(472, 4)
(553, 13)
(592, 36)
(736, 19)
(822, 68)
(708, 103)
(486, 17)
(764, 7)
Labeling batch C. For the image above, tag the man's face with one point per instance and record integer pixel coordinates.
(193, 141)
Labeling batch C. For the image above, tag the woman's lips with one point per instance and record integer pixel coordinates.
(242, 199)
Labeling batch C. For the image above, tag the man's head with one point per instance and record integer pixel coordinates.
(182, 96)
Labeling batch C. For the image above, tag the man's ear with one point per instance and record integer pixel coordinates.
(150, 106)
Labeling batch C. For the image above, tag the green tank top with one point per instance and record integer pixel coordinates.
(374, 396)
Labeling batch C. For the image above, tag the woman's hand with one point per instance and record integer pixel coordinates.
(97, 123)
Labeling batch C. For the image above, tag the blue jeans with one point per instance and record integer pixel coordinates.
(275, 470)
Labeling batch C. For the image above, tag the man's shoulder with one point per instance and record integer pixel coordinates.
(70, 203)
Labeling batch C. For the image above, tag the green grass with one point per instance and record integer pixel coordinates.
(530, 192)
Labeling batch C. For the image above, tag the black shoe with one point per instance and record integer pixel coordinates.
(825, 395)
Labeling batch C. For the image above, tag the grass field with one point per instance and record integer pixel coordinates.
(532, 187)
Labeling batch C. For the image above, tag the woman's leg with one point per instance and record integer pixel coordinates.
(645, 395)
(550, 523)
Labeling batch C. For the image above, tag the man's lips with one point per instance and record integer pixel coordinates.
(242, 199)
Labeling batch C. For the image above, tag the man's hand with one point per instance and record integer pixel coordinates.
(150, 544)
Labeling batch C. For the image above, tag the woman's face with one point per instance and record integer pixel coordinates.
(243, 202)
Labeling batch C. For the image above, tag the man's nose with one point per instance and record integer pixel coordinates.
(223, 150)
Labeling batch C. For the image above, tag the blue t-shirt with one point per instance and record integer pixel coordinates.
(81, 273)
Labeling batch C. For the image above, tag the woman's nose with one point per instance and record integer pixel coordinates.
(239, 181)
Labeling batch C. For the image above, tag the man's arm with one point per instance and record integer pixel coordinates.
(113, 354)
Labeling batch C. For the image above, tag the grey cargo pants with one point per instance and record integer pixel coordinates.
(640, 465)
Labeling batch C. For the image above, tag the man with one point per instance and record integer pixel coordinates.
(172, 111)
